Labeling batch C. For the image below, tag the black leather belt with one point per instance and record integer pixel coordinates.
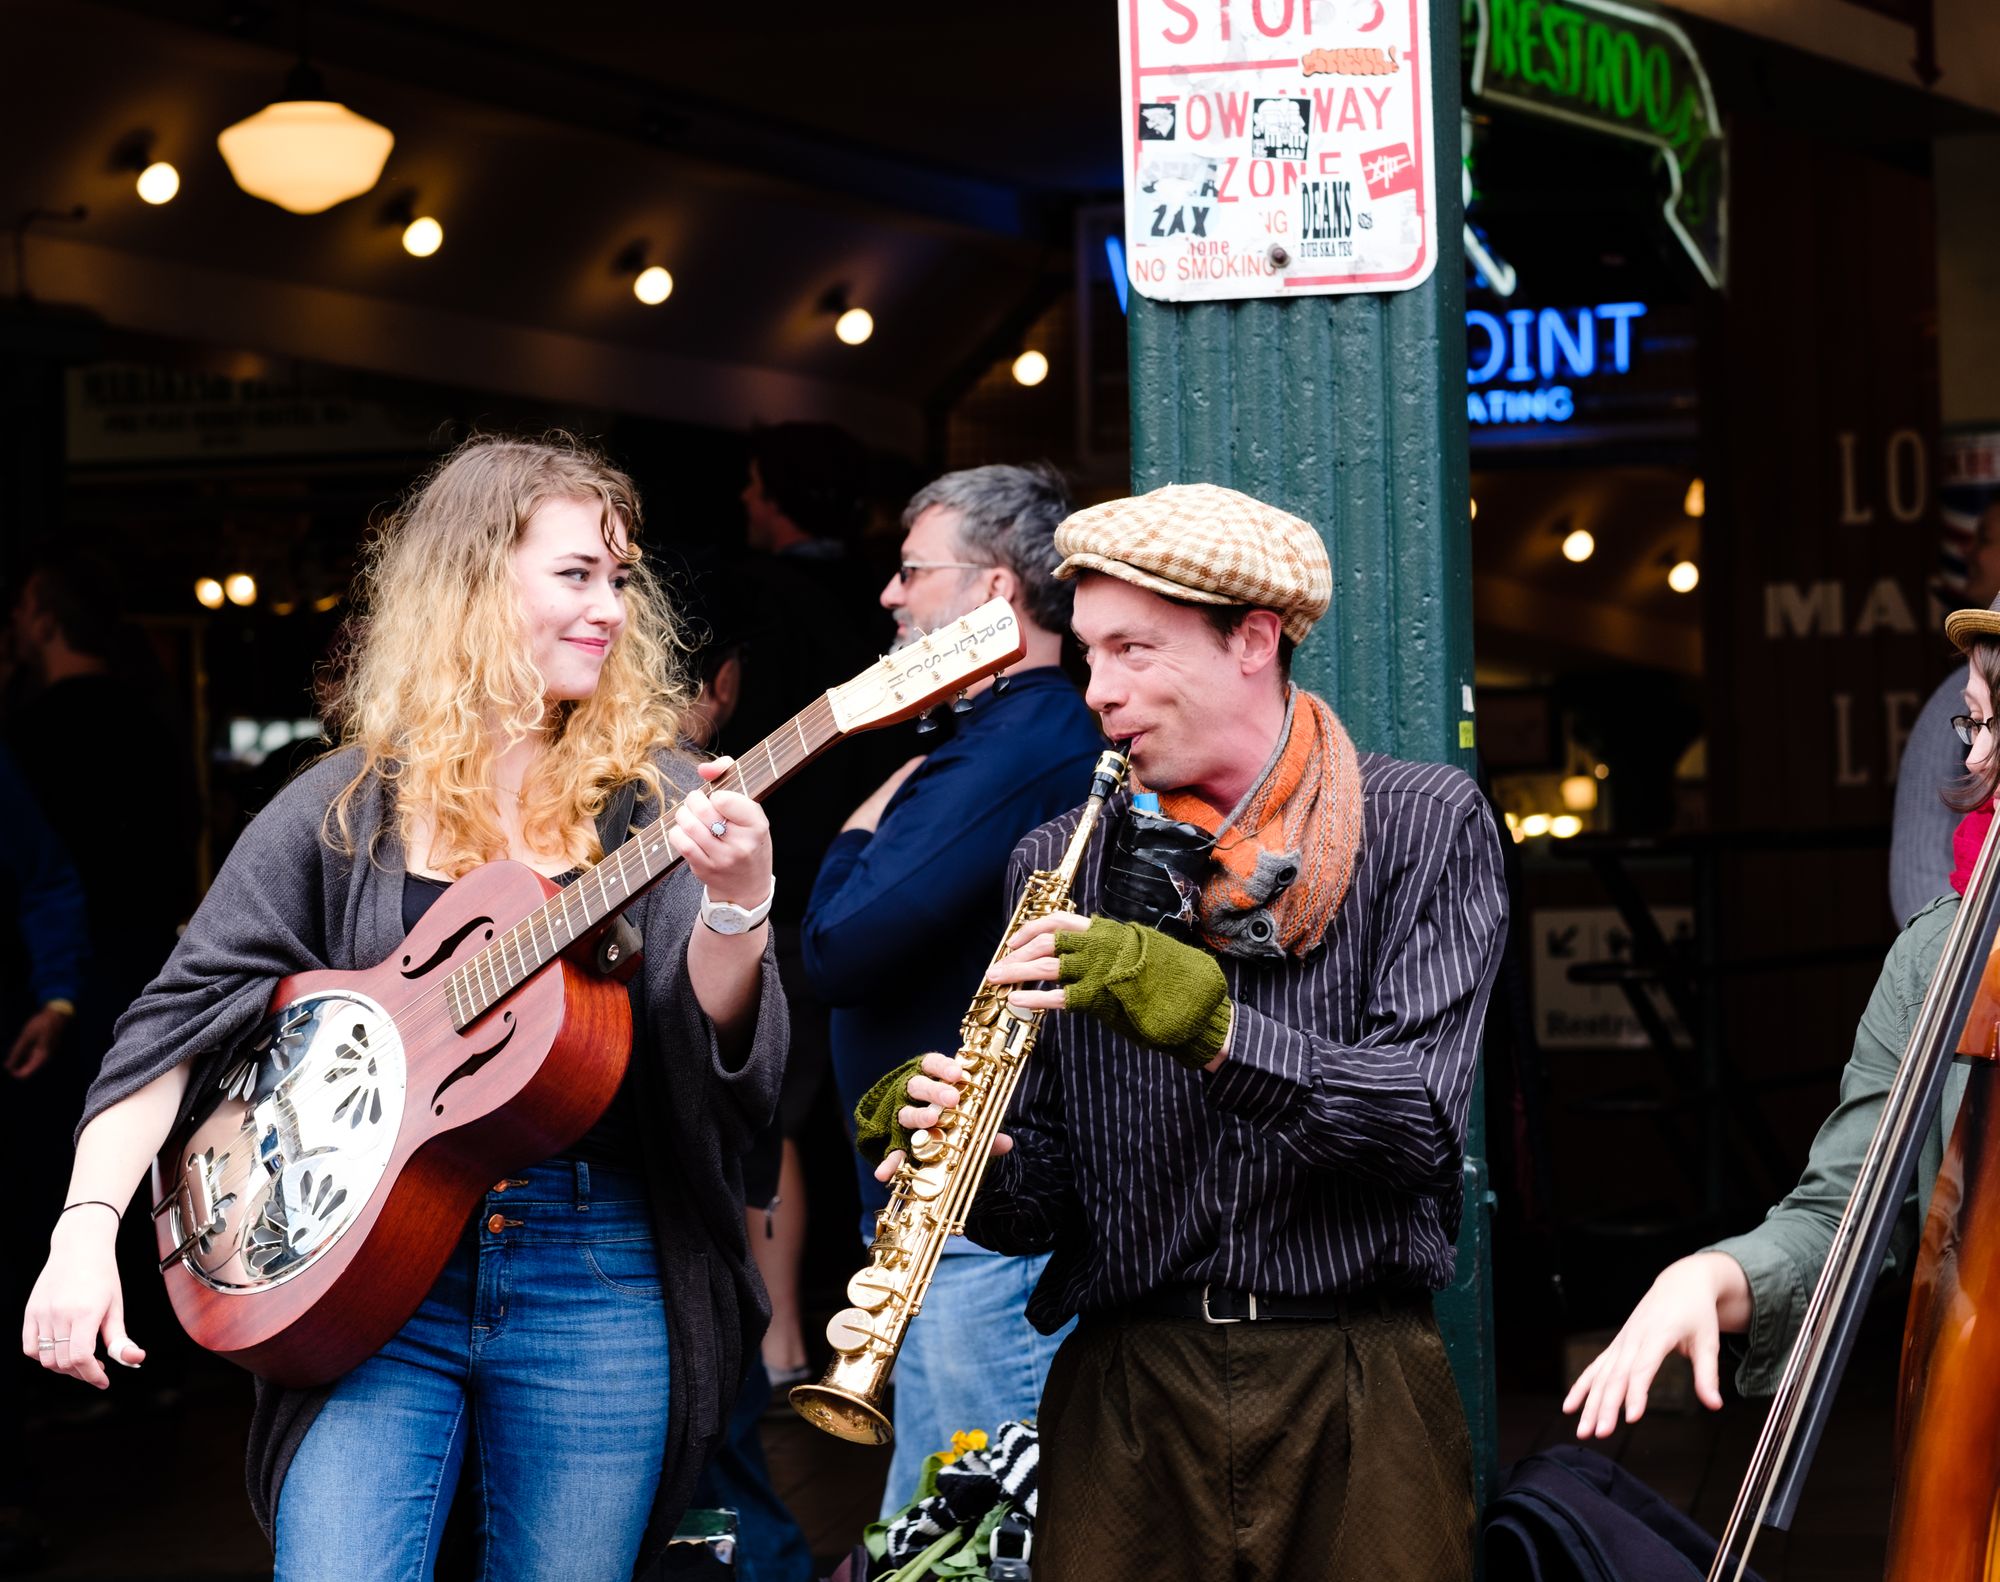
(1217, 1304)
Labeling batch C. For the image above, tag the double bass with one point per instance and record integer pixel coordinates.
(1945, 1522)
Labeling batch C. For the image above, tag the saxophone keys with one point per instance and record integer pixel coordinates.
(870, 1289)
(849, 1331)
(927, 1145)
(924, 1186)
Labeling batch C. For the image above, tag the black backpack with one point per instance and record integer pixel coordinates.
(1571, 1515)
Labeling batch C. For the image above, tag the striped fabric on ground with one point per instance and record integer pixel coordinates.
(969, 1488)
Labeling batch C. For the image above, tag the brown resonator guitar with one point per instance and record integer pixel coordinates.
(319, 1185)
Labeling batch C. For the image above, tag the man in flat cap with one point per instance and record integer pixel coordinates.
(1241, 1145)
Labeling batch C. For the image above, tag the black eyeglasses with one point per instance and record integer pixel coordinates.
(906, 572)
(1967, 726)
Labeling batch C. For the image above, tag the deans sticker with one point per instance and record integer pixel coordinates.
(1277, 148)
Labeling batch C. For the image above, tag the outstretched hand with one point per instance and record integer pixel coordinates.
(1686, 1310)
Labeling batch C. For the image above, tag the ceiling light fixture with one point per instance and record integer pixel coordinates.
(1684, 577)
(851, 324)
(306, 152)
(1030, 368)
(158, 183)
(241, 588)
(1695, 502)
(1579, 545)
(208, 593)
(156, 180)
(422, 236)
(652, 285)
(650, 282)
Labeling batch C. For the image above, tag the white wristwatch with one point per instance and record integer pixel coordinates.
(726, 917)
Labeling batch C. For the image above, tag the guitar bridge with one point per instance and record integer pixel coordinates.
(192, 1202)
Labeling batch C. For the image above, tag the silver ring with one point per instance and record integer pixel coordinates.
(62, 1340)
(42, 1343)
(718, 829)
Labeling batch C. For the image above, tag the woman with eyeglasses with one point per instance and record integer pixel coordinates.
(1758, 1284)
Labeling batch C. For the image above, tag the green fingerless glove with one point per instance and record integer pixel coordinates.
(876, 1131)
(1147, 986)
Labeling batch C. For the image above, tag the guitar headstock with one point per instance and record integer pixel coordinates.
(932, 669)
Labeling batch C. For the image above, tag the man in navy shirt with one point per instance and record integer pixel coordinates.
(912, 897)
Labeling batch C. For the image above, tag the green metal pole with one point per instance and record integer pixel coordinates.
(1350, 412)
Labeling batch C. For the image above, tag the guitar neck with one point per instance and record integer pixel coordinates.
(624, 875)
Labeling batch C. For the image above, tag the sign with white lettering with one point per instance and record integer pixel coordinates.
(1277, 147)
(1571, 1015)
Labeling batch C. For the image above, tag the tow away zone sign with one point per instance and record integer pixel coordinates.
(1277, 147)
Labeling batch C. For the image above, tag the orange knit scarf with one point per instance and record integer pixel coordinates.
(1285, 857)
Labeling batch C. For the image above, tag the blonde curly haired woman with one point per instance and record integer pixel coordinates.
(512, 665)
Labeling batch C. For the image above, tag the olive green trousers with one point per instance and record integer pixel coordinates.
(1266, 1452)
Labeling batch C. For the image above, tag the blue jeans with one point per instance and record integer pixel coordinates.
(971, 1360)
(541, 1353)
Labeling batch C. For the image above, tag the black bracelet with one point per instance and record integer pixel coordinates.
(93, 1202)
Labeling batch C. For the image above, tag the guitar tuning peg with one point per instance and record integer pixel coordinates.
(925, 724)
(1001, 684)
(960, 704)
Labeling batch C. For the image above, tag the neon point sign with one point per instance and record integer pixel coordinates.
(1537, 351)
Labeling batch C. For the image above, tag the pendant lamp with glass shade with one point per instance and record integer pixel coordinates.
(306, 152)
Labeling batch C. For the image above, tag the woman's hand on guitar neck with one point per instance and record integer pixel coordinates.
(1689, 1306)
(735, 865)
(726, 969)
(78, 1298)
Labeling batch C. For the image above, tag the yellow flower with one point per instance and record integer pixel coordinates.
(962, 1441)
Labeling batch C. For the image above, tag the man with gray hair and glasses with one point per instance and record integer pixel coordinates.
(911, 899)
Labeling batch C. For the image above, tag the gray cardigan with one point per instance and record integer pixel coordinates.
(286, 902)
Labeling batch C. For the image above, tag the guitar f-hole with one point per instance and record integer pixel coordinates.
(446, 946)
(471, 1065)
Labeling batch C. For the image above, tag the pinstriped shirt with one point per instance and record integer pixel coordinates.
(1323, 1155)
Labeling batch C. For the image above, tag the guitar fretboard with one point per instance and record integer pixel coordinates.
(479, 984)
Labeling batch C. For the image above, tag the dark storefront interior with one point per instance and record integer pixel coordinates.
(215, 390)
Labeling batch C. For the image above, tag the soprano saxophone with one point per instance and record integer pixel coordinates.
(940, 1176)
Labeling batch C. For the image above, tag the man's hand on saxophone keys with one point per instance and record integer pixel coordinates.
(934, 1089)
(1031, 958)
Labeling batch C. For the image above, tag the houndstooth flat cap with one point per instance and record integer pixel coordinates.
(1208, 545)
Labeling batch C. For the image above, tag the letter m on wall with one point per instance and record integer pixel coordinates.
(1802, 609)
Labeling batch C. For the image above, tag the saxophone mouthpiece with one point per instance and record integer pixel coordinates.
(1110, 772)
